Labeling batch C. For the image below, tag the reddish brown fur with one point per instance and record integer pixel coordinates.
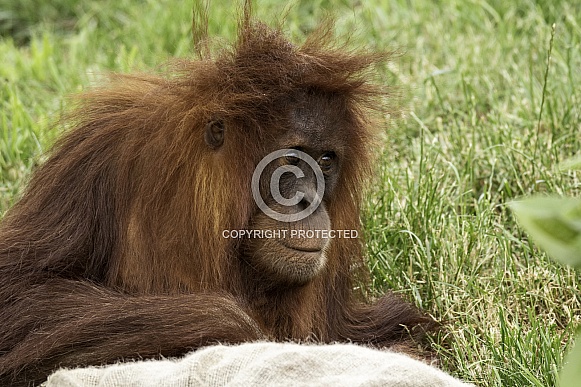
(116, 250)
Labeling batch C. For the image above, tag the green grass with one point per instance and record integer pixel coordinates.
(469, 140)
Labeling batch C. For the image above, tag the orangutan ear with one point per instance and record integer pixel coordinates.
(214, 135)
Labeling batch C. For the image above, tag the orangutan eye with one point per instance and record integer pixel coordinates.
(292, 157)
(327, 162)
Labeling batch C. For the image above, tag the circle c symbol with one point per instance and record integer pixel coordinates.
(275, 186)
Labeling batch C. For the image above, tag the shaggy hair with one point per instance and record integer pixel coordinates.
(115, 250)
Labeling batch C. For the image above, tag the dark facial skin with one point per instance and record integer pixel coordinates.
(314, 128)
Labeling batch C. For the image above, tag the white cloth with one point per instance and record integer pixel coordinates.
(265, 364)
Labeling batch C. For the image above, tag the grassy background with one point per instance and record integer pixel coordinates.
(468, 141)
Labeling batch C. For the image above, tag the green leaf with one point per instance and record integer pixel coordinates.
(571, 373)
(554, 225)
